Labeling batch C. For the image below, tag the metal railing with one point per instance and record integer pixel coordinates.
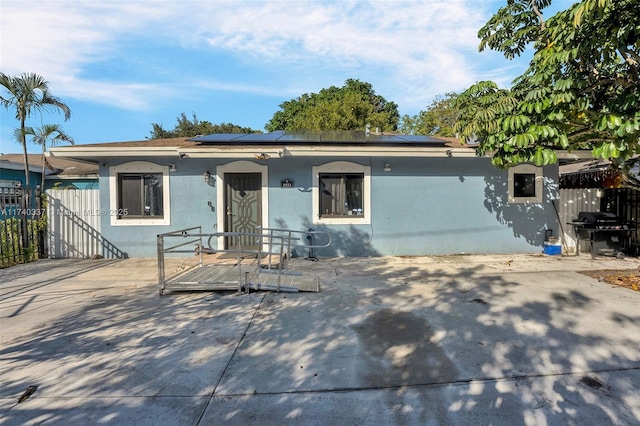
(309, 235)
(271, 242)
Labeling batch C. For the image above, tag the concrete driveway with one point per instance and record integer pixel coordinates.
(430, 340)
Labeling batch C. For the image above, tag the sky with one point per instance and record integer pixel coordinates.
(121, 65)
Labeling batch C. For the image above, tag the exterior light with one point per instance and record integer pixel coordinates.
(387, 167)
(206, 177)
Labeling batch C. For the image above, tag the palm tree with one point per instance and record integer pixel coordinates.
(29, 92)
(41, 135)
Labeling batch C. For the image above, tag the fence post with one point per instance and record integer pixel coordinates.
(41, 217)
(24, 224)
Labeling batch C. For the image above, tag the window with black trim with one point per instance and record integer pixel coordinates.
(524, 185)
(341, 195)
(140, 195)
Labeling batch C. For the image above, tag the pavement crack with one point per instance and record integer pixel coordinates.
(429, 385)
(215, 388)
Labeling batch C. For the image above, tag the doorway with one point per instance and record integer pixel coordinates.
(243, 207)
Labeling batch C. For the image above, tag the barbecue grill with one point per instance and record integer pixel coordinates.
(604, 231)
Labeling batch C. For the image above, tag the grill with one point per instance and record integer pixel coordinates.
(604, 231)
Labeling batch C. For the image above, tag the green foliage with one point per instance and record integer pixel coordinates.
(52, 133)
(437, 120)
(11, 249)
(350, 107)
(513, 27)
(579, 92)
(25, 94)
(190, 128)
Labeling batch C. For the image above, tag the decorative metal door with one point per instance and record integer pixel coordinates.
(243, 196)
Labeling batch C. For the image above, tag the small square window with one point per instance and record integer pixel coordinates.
(524, 185)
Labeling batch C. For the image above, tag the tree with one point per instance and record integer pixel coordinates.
(580, 90)
(27, 93)
(350, 107)
(190, 128)
(437, 120)
(52, 133)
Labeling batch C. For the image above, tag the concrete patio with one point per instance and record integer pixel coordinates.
(409, 340)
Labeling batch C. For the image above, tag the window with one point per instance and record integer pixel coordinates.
(525, 184)
(139, 194)
(341, 193)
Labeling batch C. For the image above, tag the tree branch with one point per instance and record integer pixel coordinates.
(534, 7)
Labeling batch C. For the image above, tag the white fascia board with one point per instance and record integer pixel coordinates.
(379, 152)
(213, 152)
(324, 151)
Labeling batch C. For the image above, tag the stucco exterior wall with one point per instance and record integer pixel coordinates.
(423, 206)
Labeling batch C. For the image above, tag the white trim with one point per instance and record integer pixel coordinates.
(323, 151)
(138, 167)
(539, 178)
(240, 167)
(342, 167)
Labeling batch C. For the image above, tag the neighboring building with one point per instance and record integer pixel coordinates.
(377, 194)
(59, 172)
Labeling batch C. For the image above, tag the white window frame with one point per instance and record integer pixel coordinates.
(539, 180)
(138, 167)
(340, 167)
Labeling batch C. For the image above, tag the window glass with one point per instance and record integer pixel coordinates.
(341, 195)
(524, 185)
(140, 194)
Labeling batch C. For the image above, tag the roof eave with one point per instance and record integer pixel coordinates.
(317, 151)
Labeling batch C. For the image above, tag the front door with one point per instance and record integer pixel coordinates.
(243, 207)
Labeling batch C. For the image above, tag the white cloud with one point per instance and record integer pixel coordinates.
(413, 50)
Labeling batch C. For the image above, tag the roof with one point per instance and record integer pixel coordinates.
(320, 137)
(581, 167)
(273, 145)
(61, 167)
(150, 143)
(285, 144)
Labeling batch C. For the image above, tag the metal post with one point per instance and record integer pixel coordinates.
(160, 247)
(201, 246)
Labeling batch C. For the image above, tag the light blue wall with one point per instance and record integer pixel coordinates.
(423, 206)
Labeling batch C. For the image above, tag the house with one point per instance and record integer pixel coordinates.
(376, 193)
(59, 172)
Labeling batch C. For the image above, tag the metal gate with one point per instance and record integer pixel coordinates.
(624, 203)
(22, 226)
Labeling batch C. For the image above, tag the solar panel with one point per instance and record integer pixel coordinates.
(318, 137)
